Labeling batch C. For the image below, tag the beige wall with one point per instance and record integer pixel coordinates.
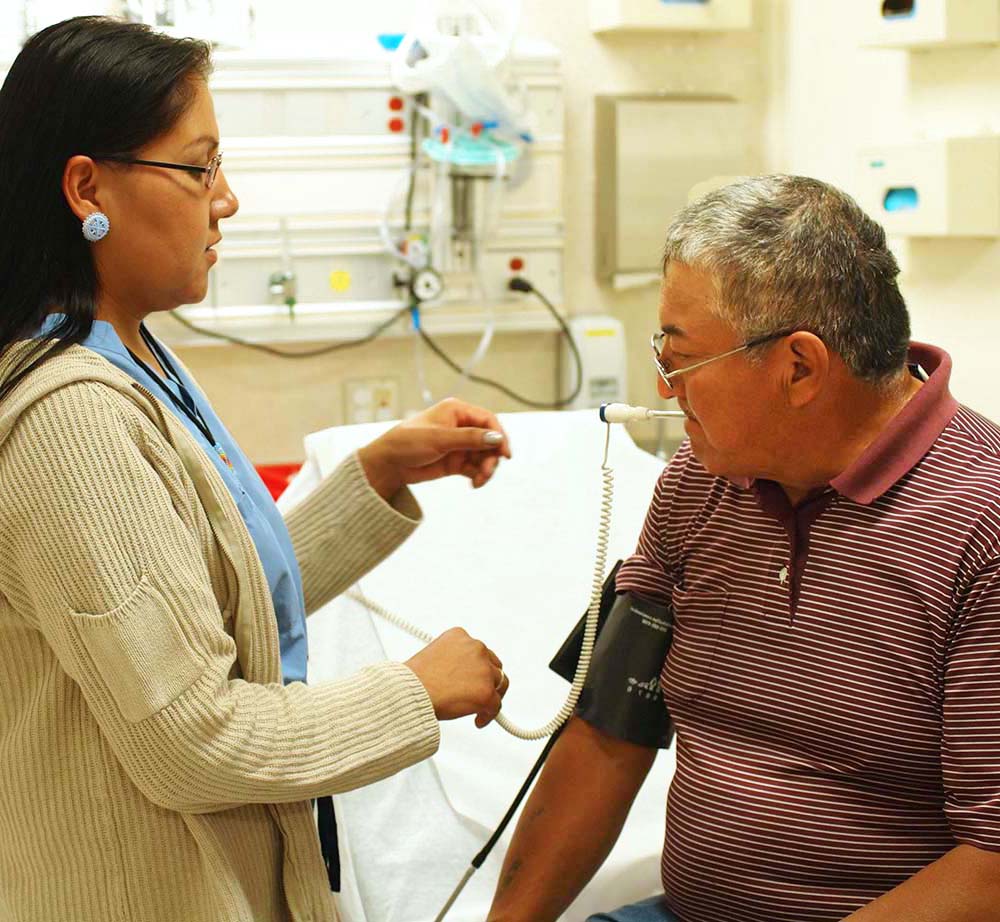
(729, 64)
(828, 97)
(819, 97)
(270, 404)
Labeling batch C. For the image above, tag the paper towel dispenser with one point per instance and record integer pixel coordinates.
(651, 150)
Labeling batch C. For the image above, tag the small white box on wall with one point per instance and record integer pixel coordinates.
(944, 188)
(930, 23)
(670, 15)
(600, 340)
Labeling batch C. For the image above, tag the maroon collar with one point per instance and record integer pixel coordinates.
(902, 443)
(908, 435)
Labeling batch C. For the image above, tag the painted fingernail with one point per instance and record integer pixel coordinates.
(493, 438)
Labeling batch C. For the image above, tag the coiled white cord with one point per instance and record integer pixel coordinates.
(358, 596)
(590, 630)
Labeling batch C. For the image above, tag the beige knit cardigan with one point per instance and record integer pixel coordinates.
(153, 768)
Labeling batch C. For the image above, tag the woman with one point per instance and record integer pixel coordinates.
(160, 749)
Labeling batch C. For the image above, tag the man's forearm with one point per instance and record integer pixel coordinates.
(570, 823)
(961, 886)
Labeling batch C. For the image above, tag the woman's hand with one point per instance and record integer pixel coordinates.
(462, 676)
(450, 437)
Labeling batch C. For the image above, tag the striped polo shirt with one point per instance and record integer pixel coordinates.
(834, 676)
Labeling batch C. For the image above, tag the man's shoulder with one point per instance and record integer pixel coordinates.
(967, 454)
(976, 432)
(960, 475)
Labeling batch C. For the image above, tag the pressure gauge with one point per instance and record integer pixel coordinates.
(426, 285)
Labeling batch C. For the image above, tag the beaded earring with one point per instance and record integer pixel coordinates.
(96, 226)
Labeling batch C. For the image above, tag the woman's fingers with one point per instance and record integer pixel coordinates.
(486, 717)
(470, 438)
(456, 414)
(462, 676)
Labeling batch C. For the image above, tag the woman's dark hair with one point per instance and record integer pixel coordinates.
(87, 85)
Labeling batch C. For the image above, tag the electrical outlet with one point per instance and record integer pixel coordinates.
(368, 400)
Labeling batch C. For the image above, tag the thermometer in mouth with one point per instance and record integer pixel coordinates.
(623, 413)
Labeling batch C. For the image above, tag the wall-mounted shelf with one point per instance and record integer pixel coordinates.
(670, 15)
(339, 322)
(944, 188)
(920, 24)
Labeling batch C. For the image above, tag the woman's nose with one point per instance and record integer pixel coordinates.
(225, 203)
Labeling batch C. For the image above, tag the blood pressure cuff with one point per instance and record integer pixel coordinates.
(621, 695)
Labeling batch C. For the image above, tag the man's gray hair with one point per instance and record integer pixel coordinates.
(788, 252)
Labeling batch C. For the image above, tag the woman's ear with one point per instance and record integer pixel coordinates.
(79, 185)
(806, 367)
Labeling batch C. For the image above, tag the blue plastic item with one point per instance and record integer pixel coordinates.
(902, 198)
(467, 150)
(899, 10)
(390, 41)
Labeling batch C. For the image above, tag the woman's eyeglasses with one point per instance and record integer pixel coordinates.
(210, 171)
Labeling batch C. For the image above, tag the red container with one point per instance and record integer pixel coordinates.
(277, 477)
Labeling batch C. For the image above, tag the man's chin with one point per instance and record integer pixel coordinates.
(714, 465)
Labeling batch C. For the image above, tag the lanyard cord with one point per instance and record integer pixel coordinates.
(187, 406)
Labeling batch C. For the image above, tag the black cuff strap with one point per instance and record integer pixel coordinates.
(621, 695)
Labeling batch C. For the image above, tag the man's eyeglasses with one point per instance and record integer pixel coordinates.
(210, 171)
(658, 340)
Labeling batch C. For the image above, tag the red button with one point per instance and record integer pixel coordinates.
(516, 264)
(445, 135)
(396, 124)
(396, 104)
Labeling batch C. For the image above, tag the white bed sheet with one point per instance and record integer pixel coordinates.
(512, 563)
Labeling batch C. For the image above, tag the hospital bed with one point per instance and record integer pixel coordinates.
(512, 564)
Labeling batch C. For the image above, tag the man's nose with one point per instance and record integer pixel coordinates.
(666, 391)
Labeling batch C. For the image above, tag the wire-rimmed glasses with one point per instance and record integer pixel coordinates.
(658, 340)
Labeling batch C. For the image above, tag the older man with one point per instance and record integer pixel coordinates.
(828, 538)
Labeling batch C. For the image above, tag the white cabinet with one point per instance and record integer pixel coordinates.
(930, 23)
(670, 15)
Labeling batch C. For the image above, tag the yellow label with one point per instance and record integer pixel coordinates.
(340, 280)
(601, 331)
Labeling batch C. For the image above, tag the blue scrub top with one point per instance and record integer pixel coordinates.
(260, 514)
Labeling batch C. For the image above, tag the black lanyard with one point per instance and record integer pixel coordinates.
(186, 405)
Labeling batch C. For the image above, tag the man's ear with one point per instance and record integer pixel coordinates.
(805, 368)
(80, 186)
